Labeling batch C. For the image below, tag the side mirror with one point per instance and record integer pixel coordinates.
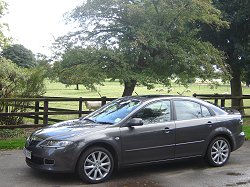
(134, 122)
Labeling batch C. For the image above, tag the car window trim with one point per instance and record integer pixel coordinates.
(181, 99)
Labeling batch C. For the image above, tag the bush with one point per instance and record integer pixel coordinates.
(18, 82)
(7, 133)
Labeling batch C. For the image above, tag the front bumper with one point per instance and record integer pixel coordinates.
(52, 159)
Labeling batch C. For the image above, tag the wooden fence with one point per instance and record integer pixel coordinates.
(220, 100)
(39, 109)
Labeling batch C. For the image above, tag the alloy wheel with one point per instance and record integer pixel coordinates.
(220, 151)
(97, 165)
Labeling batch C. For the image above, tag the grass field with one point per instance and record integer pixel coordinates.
(114, 89)
(15, 143)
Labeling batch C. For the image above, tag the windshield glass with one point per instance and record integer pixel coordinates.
(114, 112)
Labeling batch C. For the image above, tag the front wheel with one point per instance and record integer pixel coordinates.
(95, 165)
(218, 152)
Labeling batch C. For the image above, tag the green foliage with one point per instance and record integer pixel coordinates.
(43, 63)
(18, 82)
(149, 41)
(7, 133)
(20, 55)
(80, 66)
(10, 77)
(33, 84)
(234, 40)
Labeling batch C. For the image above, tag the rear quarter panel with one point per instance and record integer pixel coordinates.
(227, 125)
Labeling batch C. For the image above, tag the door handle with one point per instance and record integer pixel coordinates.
(167, 130)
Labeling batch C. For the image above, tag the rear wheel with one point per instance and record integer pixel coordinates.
(95, 165)
(218, 152)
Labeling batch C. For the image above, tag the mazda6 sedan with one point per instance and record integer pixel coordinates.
(136, 130)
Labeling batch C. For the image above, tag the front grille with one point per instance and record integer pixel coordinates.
(36, 160)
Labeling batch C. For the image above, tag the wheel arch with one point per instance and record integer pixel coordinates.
(221, 132)
(105, 145)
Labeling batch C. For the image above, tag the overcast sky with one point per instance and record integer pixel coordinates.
(34, 23)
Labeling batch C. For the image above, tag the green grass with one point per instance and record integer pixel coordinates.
(246, 129)
(115, 89)
(12, 143)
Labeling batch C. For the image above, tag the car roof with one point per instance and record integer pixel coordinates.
(152, 97)
(145, 98)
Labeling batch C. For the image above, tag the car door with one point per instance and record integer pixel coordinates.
(152, 141)
(194, 123)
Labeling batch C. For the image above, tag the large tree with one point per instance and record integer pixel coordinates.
(80, 66)
(20, 55)
(149, 41)
(233, 41)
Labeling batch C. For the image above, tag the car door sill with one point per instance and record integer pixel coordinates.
(157, 161)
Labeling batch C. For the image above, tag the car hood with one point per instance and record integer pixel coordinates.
(67, 130)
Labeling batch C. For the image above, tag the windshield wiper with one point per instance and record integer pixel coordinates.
(104, 122)
(91, 120)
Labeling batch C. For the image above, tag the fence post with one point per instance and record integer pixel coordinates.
(240, 104)
(80, 107)
(216, 99)
(6, 106)
(45, 110)
(36, 120)
(222, 104)
(104, 100)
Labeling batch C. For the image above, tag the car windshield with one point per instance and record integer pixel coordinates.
(114, 112)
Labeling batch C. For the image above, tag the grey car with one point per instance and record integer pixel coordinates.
(136, 130)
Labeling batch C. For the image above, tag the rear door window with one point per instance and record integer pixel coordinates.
(186, 110)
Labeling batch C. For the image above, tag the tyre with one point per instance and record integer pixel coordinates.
(95, 165)
(218, 152)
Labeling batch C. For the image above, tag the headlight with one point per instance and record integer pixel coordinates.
(56, 143)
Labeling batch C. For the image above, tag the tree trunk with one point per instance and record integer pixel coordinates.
(129, 87)
(77, 86)
(236, 89)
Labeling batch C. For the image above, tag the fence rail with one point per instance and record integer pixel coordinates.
(220, 100)
(41, 107)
